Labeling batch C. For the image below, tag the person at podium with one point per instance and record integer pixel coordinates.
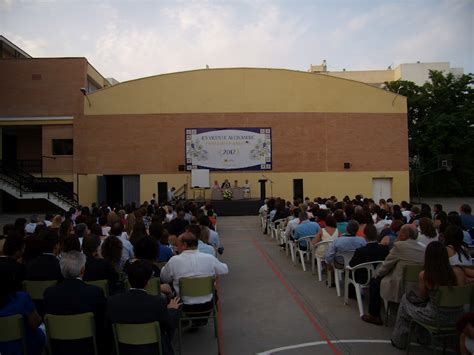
(216, 185)
(225, 185)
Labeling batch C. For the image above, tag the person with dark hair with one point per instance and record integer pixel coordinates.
(70, 243)
(81, 230)
(178, 225)
(46, 266)
(437, 272)
(97, 268)
(326, 234)
(20, 224)
(383, 221)
(137, 306)
(372, 251)
(14, 301)
(467, 218)
(116, 229)
(437, 208)
(111, 250)
(10, 263)
(66, 229)
(191, 263)
(158, 232)
(388, 281)
(389, 236)
(455, 219)
(214, 239)
(345, 243)
(145, 249)
(457, 252)
(138, 232)
(427, 231)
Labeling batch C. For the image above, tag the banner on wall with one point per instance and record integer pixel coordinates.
(229, 148)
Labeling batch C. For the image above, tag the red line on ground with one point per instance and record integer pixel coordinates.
(297, 299)
(219, 317)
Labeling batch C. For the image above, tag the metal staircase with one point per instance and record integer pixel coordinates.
(22, 185)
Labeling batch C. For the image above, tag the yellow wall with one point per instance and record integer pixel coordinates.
(338, 184)
(241, 90)
(87, 188)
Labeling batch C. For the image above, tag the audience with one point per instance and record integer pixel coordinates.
(97, 268)
(46, 266)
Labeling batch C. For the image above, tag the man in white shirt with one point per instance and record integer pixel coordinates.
(171, 196)
(191, 263)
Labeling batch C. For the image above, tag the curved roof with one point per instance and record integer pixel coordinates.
(242, 90)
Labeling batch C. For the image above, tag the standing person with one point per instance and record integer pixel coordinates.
(437, 272)
(225, 185)
(171, 195)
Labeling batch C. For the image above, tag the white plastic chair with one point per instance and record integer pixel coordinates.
(370, 268)
(304, 253)
(319, 261)
(347, 256)
(275, 228)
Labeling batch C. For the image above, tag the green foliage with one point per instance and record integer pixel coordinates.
(441, 122)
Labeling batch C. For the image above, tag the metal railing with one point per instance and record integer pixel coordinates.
(13, 173)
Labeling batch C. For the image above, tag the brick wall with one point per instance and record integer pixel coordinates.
(301, 142)
(42, 87)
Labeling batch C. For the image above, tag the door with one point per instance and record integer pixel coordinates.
(298, 189)
(131, 189)
(101, 189)
(381, 188)
(162, 192)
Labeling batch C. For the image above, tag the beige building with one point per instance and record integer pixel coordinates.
(417, 72)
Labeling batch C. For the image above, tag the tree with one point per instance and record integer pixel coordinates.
(441, 124)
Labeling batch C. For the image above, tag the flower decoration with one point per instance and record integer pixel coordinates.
(227, 194)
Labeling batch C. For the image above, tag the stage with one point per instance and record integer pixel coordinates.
(248, 207)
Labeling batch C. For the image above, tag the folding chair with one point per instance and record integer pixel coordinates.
(276, 227)
(36, 291)
(319, 261)
(152, 287)
(13, 330)
(304, 252)
(103, 284)
(72, 327)
(410, 275)
(137, 334)
(195, 287)
(447, 298)
(346, 256)
(370, 268)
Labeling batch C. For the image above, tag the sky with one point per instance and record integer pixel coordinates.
(129, 39)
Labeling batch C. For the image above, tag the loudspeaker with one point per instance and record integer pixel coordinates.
(180, 167)
(347, 165)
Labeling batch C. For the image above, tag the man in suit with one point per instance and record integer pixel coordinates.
(372, 251)
(137, 306)
(73, 296)
(46, 266)
(388, 283)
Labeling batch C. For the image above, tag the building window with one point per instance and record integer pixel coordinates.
(62, 147)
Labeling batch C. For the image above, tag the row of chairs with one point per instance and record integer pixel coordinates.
(454, 297)
(81, 326)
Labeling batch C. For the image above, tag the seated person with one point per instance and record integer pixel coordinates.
(458, 253)
(10, 263)
(137, 306)
(14, 302)
(343, 244)
(191, 263)
(97, 268)
(158, 232)
(327, 234)
(73, 296)
(202, 234)
(46, 266)
(388, 281)
(305, 228)
(372, 251)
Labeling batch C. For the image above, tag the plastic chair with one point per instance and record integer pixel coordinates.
(370, 268)
(276, 230)
(137, 334)
(36, 288)
(103, 284)
(347, 256)
(304, 252)
(319, 261)
(71, 327)
(13, 329)
(446, 298)
(195, 287)
(410, 275)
